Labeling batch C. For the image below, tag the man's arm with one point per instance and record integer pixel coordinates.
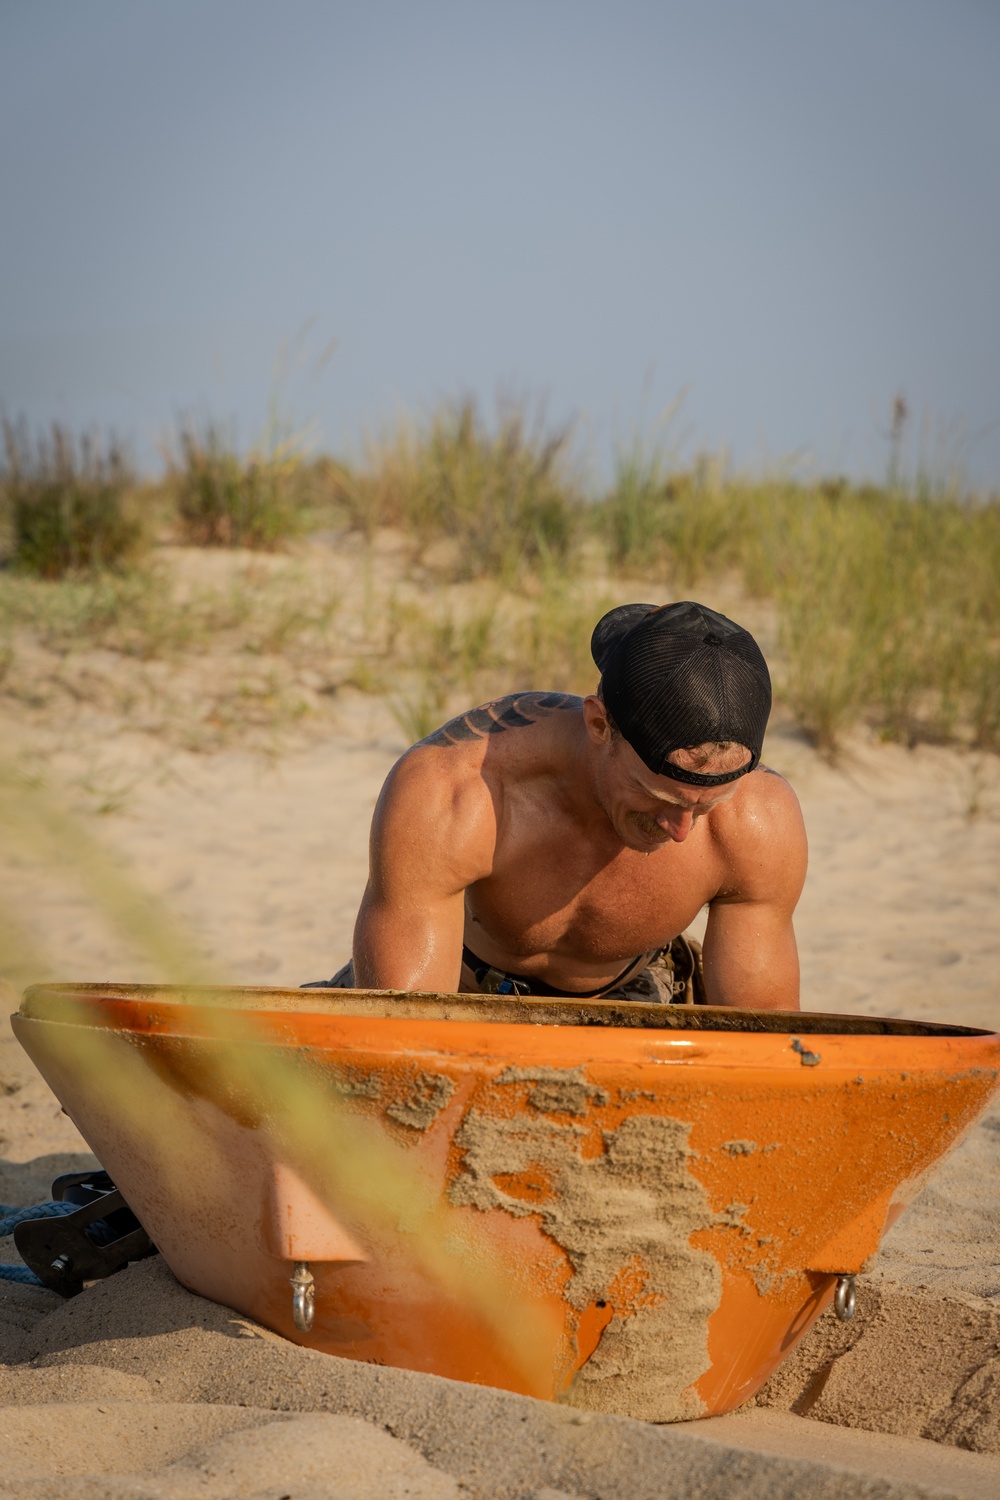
(750, 955)
(432, 835)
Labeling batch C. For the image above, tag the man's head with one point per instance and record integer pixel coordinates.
(682, 706)
(683, 684)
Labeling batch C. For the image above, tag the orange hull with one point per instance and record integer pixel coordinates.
(619, 1207)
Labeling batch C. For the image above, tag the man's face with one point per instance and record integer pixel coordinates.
(648, 811)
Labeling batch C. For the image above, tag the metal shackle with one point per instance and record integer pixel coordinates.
(845, 1297)
(303, 1296)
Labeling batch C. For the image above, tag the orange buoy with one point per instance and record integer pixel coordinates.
(631, 1208)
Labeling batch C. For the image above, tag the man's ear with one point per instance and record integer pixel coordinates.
(595, 716)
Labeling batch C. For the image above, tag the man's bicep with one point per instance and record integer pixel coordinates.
(409, 942)
(751, 958)
(421, 860)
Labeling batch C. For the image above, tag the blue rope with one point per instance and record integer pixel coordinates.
(22, 1274)
(10, 1217)
(14, 1216)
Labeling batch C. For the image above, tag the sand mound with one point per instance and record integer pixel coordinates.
(169, 1387)
(949, 1239)
(207, 1453)
(910, 1362)
(20, 1309)
(46, 1441)
(20, 1386)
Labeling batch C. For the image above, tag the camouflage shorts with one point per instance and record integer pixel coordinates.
(673, 977)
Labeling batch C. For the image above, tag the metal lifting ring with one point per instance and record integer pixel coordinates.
(845, 1298)
(303, 1296)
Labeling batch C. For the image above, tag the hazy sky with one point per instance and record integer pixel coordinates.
(788, 208)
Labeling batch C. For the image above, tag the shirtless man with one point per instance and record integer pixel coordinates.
(547, 844)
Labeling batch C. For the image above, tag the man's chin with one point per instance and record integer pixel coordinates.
(644, 843)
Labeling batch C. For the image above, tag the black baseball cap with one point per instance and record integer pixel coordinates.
(678, 675)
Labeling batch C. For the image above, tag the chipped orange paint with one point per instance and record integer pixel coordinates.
(781, 1163)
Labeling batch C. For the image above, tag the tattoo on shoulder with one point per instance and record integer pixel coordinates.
(516, 711)
(771, 771)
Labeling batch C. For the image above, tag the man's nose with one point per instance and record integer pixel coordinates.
(677, 824)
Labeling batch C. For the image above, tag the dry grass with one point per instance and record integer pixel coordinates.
(241, 656)
(68, 504)
(888, 606)
(472, 564)
(504, 499)
(223, 499)
(442, 657)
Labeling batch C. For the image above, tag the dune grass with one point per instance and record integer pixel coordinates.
(885, 601)
(888, 606)
(198, 663)
(504, 498)
(69, 504)
(149, 615)
(225, 499)
(443, 657)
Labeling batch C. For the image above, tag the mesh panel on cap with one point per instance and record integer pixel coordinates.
(611, 627)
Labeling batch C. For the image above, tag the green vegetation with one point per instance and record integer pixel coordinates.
(888, 606)
(474, 563)
(68, 505)
(225, 500)
(505, 500)
(444, 658)
(148, 614)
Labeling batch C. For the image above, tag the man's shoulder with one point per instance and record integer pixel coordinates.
(498, 743)
(436, 818)
(432, 786)
(454, 782)
(765, 806)
(479, 748)
(761, 833)
(501, 716)
(769, 788)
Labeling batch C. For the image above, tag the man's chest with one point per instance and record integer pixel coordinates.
(552, 894)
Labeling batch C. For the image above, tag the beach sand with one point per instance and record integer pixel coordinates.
(137, 1388)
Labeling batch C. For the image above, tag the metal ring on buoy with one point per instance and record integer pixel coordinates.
(303, 1296)
(845, 1298)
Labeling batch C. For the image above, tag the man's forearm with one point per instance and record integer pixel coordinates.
(752, 964)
